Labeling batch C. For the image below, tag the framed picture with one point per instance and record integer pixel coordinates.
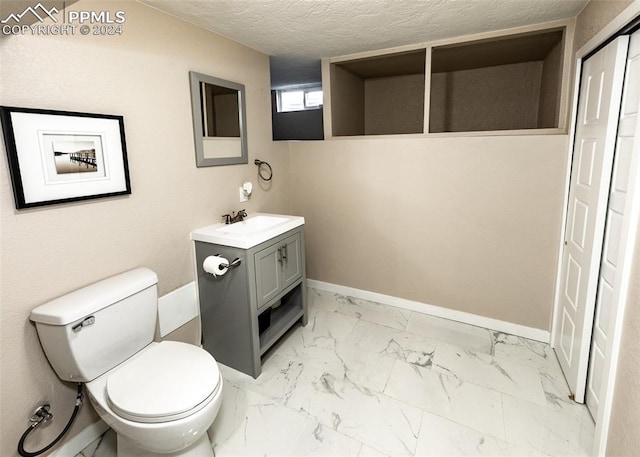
(60, 156)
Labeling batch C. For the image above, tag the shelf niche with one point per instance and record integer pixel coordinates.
(506, 83)
(380, 95)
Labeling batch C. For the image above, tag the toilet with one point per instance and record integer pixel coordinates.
(159, 397)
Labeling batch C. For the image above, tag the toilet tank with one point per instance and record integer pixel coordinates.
(91, 330)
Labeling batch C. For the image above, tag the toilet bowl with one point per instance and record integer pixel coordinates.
(159, 397)
(162, 400)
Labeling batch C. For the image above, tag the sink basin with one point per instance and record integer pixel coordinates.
(256, 223)
(255, 229)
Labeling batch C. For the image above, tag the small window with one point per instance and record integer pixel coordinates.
(313, 99)
(299, 99)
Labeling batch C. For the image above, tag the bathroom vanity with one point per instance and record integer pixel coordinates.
(248, 308)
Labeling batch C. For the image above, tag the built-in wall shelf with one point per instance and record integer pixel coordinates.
(506, 83)
(510, 82)
(379, 95)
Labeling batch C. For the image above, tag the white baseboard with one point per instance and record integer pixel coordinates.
(76, 444)
(437, 311)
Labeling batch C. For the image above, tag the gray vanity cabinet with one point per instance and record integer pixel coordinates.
(269, 286)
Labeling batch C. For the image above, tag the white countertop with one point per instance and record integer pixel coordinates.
(255, 229)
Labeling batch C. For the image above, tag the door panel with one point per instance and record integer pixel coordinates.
(615, 236)
(268, 273)
(580, 218)
(598, 107)
(292, 268)
(567, 336)
(594, 89)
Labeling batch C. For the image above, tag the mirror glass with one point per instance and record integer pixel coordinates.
(219, 120)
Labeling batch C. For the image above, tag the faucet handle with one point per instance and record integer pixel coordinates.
(227, 218)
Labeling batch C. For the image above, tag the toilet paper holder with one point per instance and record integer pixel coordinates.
(234, 263)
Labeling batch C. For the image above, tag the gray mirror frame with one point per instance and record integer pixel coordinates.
(196, 110)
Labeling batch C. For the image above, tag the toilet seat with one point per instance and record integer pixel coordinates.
(164, 382)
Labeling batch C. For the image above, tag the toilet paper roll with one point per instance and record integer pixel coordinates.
(215, 265)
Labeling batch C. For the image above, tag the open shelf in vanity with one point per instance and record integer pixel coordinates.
(289, 310)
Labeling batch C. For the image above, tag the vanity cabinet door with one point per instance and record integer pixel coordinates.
(277, 267)
(268, 273)
(291, 260)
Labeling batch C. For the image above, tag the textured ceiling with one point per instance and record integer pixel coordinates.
(305, 29)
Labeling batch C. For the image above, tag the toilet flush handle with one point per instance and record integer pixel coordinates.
(84, 323)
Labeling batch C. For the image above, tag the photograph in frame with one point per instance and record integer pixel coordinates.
(60, 156)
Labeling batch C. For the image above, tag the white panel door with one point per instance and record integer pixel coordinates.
(615, 236)
(593, 149)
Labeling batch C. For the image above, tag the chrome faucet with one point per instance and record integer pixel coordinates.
(231, 219)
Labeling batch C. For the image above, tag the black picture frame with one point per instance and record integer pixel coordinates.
(63, 156)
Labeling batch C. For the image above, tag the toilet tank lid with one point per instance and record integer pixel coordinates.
(94, 297)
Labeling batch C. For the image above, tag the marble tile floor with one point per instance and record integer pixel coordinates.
(364, 379)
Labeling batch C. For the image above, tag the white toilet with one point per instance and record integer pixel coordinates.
(159, 398)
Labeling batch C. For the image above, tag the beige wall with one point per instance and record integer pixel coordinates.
(594, 17)
(471, 224)
(550, 87)
(625, 416)
(347, 102)
(394, 105)
(503, 97)
(142, 75)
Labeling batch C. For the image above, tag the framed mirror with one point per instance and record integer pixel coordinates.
(219, 120)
